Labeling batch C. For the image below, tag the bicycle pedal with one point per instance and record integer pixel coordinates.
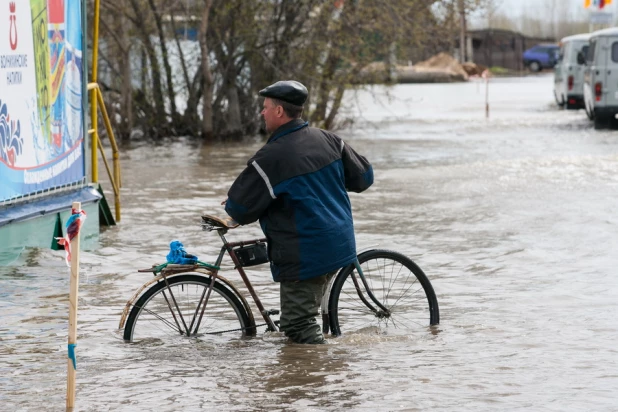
(272, 312)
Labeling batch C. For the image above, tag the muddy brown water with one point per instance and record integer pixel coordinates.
(513, 219)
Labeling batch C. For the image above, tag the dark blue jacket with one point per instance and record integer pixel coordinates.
(296, 185)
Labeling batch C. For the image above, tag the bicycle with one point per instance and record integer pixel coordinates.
(174, 302)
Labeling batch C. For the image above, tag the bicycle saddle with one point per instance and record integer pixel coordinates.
(214, 222)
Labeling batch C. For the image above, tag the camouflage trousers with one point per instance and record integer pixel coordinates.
(300, 305)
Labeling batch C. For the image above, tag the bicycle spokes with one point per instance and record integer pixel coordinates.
(184, 306)
(202, 303)
(386, 292)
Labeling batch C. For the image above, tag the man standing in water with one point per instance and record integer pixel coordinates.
(296, 185)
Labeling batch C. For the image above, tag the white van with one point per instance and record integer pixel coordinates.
(569, 74)
(601, 77)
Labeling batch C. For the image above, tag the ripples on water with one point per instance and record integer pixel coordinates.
(513, 219)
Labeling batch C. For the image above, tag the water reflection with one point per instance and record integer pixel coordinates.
(311, 376)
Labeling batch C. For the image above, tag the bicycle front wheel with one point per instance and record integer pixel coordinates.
(396, 282)
(174, 308)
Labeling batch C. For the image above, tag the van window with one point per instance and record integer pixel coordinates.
(585, 52)
(615, 52)
(590, 54)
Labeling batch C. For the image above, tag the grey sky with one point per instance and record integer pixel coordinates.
(543, 18)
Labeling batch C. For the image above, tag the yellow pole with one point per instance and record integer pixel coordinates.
(115, 155)
(93, 97)
(114, 184)
(73, 291)
(109, 173)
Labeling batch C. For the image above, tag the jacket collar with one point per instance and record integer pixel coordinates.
(289, 127)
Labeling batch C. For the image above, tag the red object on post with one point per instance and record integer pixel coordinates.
(73, 225)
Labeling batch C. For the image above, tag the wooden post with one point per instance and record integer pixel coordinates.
(486, 76)
(74, 287)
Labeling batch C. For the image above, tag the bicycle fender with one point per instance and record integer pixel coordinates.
(367, 249)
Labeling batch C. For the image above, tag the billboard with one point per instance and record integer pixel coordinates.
(41, 110)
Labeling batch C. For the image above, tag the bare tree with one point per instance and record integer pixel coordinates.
(207, 91)
(163, 74)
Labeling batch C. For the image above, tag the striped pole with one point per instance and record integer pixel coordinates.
(73, 291)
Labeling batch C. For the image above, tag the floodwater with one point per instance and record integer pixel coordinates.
(514, 219)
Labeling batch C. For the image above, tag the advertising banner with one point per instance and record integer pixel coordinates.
(41, 113)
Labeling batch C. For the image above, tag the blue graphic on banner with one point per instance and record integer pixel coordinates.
(11, 142)
(73, 76)
(66, 169)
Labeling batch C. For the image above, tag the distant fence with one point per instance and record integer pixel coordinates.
(504, 48)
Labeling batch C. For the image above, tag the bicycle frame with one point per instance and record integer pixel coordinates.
(229, 248)
(213, 272)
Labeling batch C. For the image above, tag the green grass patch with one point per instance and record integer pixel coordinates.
(498, 70)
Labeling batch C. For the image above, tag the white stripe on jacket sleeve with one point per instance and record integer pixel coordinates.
(261, 172)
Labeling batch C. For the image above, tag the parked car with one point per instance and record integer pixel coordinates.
(569, 74)
(601, 77)
(542, 56)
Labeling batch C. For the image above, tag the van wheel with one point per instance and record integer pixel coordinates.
(559, 102)
(589, 113)
(601, 122)
(534, 66)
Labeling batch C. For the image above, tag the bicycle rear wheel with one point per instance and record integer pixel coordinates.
(396, 282)
(171, 309)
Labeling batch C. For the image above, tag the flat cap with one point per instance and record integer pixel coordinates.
(289, 91)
